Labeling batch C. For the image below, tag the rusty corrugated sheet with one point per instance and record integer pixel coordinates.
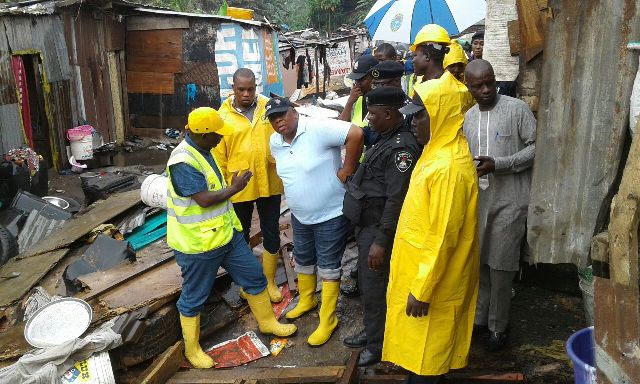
(582, 122)
(11, 129)
(43, 34)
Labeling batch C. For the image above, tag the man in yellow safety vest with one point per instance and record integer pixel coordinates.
(205, 232)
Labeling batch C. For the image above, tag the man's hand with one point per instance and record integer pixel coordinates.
(416, 308)
(239, 182)
(486, 165)
(376, 256)
(343, 173)
(354, 94)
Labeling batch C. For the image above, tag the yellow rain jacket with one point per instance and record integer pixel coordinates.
(248, 149)
(435, 254)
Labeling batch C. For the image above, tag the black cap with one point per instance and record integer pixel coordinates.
(388, 69)
(363, 65)
(386, 96)
(416, 105)
(277, 105)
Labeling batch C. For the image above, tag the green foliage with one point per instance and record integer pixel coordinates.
(325, 15)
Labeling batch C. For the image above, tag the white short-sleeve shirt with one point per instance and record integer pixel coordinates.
(308, 168)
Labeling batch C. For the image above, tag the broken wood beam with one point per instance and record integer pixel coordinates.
(329, 374)
(165, 365)
(350, 375)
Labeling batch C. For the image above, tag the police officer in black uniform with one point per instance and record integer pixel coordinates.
(387, 73)
(373, 201)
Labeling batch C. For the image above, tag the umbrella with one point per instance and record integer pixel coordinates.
(400, 20)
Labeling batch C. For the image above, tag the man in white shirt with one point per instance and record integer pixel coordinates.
(308, 160)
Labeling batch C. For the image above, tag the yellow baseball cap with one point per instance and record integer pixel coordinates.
(208, 120)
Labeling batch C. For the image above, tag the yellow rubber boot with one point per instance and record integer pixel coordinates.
(307, 291)
(269, 266)
(328, 319)
(192, 349)
(260, 305)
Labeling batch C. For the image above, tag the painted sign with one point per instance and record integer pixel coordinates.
(237, 47)
(339, 59)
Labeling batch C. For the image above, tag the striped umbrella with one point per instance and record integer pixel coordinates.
(400, 20)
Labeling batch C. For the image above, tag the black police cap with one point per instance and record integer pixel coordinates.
(277, 105)
(362, 66)
(386, 96)
(388, 69)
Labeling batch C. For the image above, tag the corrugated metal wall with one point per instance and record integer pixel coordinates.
(582, 122)
(35, 35)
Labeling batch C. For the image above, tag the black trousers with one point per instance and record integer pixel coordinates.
(269, 214)
(373, 290)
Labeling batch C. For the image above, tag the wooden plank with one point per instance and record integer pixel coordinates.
(160, 284)
(329, 374)
(150, 82)
(143, 23)
(74, 229)
(513, 28)
(103, 281)
(138, 63)
(531, 28)
(350, 375)
(164, 44)
(165, 365)
(34, 263)
(115, 34)
(125, 97)
(116, 96)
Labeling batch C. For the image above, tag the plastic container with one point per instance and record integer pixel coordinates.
(240, 13)
(153, 191)
(81, 139)
(581, 350)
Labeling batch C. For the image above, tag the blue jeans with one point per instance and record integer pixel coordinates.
(320, 245)
(199, 273)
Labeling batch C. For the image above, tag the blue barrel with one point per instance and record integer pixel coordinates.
(582, 352)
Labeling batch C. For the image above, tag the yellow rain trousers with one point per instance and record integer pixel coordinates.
(435, 253)
(248, 149)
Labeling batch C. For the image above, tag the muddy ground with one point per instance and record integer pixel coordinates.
(546, 310)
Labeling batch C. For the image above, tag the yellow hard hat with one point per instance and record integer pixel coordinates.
(456, 55)
(207, 120)
(431, 33)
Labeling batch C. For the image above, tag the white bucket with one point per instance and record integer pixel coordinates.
(154, 191)
(81, 139)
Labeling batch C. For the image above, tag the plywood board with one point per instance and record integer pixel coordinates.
(138, 63)
(163, 44)
(150, 82)
(143, 23)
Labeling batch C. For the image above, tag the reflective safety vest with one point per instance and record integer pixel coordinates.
(357, 118)
(191, 228)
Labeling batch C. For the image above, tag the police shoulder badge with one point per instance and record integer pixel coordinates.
(403, 161)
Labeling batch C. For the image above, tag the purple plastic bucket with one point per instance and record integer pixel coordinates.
(582, 352)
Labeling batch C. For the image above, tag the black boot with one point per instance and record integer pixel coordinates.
(497, 341)
(358, 340)
(368, 358)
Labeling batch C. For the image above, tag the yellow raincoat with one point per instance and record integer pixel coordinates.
(435, 254)
(248, 148)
